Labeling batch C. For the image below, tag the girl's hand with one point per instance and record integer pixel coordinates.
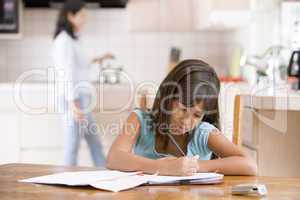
(182, 166)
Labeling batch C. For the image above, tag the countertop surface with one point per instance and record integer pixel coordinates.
(11, 189)
(37, 95)
(282, 98)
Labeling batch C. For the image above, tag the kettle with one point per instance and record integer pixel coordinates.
(294, 67)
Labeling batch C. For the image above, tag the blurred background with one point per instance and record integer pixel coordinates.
(248, 42)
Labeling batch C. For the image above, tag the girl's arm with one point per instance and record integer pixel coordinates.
(233, 160)
(120, 156)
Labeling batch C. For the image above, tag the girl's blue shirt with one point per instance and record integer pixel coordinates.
(145, 144)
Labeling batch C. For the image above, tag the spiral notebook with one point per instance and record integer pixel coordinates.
(116, 181)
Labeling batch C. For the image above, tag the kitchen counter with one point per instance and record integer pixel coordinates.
(282, 99)
(41, 94)
(37, 137)
(33, 129)
(269, 124)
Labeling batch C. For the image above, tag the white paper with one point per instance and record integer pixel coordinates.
(121, 183)
(128, 182)
(117, 181)
(173, 179)
(79, 178)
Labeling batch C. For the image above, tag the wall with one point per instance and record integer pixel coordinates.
(144, 54)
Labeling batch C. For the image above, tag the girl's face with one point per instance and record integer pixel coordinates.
(184, 119)
(77, 20)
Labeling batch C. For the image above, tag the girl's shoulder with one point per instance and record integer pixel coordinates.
(201, 135)
(143, 116)
(205, 127)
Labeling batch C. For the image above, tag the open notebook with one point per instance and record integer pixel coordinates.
(115, 181)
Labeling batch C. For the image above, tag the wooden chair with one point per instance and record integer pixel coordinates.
(144, 102)
(237, 119)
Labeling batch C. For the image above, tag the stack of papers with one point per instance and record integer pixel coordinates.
(115, 181)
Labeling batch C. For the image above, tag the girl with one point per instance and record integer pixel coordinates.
(180, 134)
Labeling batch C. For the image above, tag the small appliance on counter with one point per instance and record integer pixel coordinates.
(294, 69)
(294, 64)
(108, 72)
(10, 19)
(175, 54)
(268, 68)
(111, 74)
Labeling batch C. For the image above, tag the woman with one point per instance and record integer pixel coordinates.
(181, 133)
(72, 72)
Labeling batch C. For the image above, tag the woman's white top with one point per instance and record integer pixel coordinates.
(71, 66)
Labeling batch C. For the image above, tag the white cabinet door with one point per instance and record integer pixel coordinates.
(231, 4)
(249, 130)
(221, 15)
(187, 15)
(114, 98)
(9, 143)
(50, 156)
(45, 130)
(160, 15)
(176, 15)
(201, 14)
(55, 156)
(110, 126)
(144, 15)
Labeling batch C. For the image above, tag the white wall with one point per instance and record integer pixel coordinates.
(144, 54)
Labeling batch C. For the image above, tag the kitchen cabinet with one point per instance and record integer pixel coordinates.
(157, 15)
(144, 15)
(218, 14)
(9, 151)
(110, 126)
(270, 132)
(43, 130)
(44, 135)
(187, 15)
(39, 138)
(176, 15)
(234, 5)
(45, 156)
(249, 130)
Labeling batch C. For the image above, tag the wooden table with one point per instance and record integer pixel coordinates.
(10, 189)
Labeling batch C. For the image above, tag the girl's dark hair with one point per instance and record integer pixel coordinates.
(63, 24)
(190, 82)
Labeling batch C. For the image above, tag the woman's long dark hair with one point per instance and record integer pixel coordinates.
(190, 82)
(63, 24)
